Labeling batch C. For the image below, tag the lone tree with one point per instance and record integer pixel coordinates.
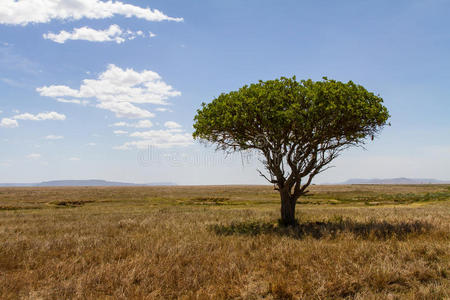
(299, 127)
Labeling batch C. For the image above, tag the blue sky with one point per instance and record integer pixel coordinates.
(96, 90)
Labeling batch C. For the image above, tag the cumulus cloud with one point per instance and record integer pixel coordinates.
(119, 132)
(126, 110)
(58, 90)
(112, 34)
(172, 125)
(8, 123)
(41, 116)
(43, 11)
(54, 137)
(172, 136)
(157, 138)
(140, 124)
(119, 90)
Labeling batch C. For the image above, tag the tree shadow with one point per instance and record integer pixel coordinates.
(371, 230)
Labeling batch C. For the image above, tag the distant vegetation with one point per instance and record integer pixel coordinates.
(224, 242)
(400, 180)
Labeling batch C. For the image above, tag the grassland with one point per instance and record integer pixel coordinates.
(223, 242)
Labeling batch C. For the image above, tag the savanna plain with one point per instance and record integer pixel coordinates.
(224, 242)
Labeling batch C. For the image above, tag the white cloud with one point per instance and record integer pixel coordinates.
(41, 116)
(172, 125)
(43, 11)
(74, 158)
(118, 90)
(34, 156)
(157, 138)
(11, 60)
(140, 124)
(119, 124)
(74, 101)
(54, 137)
(163, 109)
(120, 132)
(8, 123)
(57, 90)
(151, 34)
(112, 34)
(143, 124)
(12, 122)
(91, 144)
(10, 82)
(126, 110)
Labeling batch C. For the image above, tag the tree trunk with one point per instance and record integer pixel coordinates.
(287, 208)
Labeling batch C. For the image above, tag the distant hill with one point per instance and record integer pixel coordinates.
(90, 182)
(401, 180)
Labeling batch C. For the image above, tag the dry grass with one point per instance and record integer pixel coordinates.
(356, 242)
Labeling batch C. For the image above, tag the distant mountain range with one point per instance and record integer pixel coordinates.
(98, 182)
(90, 182)
(401, 180)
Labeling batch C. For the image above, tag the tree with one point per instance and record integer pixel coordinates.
(298, 127)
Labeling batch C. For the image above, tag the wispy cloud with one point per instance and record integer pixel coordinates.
(112, 34)
(54, 137)
(43, 11)
(73, 101)
(41, 116)
(120, 132)
(34, 156)
(12, 82)
(139, 124)
(163, 109)
(12, 61)
(12, 121)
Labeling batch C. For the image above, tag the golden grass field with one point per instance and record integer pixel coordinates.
(223, 242)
